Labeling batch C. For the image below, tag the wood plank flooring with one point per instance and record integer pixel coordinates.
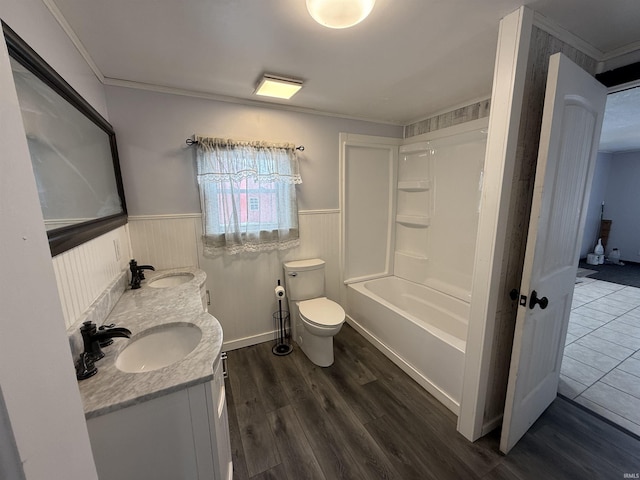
(363, 418)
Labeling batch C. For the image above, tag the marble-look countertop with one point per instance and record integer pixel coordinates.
(138, 310)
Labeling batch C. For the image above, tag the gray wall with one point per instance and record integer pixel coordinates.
(10, 463)
(622, 205)
(616, 183)
(160, 187)
(34, 23)
(598, 191)
(158, 169)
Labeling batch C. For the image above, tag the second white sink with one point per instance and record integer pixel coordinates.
(171, 280)
(159, 348)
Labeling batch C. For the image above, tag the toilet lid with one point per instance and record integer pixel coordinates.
(321, 311)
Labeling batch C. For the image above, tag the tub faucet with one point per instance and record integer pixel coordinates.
(137, 273)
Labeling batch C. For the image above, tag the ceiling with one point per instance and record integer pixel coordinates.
(409, 59)
(621, 125)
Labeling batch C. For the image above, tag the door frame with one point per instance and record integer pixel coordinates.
(504, 124)
(500, 233)
(573, 110)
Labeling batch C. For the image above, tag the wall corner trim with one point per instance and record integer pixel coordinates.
(508, 90)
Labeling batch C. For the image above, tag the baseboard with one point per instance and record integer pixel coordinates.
(491, 425)
(423, 381)
(249, 341)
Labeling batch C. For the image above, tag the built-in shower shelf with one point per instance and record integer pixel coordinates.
(417, 221)
(411, 256)
(413, 185)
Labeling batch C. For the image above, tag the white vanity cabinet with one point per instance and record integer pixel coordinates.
(219, 424)
(181, 435)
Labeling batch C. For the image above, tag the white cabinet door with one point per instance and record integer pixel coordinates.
(219, 426)
(153, 440)
(572, 119)
(182, 435)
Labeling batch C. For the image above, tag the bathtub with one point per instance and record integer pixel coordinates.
(420, 329)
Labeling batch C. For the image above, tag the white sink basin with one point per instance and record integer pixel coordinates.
(171, 280)
(159, 347)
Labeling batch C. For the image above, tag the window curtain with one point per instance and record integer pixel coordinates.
(248, 195)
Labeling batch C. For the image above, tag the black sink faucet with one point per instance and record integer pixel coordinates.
(137, 273)
(93, 339)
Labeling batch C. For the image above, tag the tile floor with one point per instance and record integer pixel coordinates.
(601, 363)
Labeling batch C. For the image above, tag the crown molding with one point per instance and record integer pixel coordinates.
(57, 14)
(566, 36)
(619, 52)
(116, 82)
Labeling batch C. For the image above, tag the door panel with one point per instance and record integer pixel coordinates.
(572, 119)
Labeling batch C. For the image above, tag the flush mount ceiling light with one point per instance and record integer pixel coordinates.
(339, 13)
(278, 87)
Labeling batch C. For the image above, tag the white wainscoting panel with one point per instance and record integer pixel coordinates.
(241, 286)
(320, 238)
(84, 272)
(165, 241)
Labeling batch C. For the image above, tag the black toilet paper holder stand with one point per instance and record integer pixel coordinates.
(283, 344)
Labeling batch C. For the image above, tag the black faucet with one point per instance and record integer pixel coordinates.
(137, 273)
(93, 339)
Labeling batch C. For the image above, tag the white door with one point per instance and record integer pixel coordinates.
(571, 123)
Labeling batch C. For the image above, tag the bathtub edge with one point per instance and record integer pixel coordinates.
(423, 381)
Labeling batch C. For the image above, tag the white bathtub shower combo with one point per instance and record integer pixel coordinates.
(409, 292)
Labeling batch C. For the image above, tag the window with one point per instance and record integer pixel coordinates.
(248, 195)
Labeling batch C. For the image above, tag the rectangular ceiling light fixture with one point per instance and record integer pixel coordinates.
(278, 87)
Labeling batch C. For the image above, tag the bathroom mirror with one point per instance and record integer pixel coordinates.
(73, 152)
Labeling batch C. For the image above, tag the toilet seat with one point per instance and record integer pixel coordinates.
(321, 312)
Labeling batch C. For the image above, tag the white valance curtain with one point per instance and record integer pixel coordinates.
(248, 195)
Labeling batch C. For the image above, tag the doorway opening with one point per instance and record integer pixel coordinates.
(601, 361)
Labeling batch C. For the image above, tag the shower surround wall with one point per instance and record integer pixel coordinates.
(418, 312)
(439, 187)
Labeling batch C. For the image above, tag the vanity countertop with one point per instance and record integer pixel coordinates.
(138, 310)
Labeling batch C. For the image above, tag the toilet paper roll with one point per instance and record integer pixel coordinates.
(280, 293)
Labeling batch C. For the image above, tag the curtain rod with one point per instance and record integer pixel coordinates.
(191, 142)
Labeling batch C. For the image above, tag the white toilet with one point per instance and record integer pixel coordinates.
(314, 318)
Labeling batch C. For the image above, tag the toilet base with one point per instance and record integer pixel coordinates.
(318, 349)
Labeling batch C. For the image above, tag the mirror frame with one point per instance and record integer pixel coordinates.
(65, 238)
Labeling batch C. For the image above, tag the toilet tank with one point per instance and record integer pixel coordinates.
(304, 279)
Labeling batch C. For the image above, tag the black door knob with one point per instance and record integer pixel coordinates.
(533, 300)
